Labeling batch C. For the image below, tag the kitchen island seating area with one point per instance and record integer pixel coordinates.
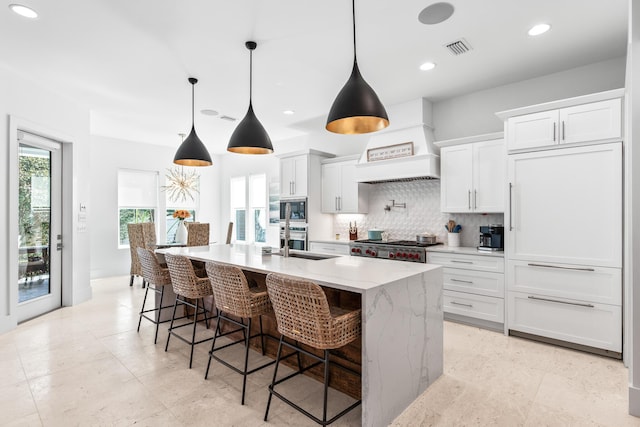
(390, 309)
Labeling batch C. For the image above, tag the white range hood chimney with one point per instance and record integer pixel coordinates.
(388, 154)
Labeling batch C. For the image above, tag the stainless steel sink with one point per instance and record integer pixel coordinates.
(313, 257)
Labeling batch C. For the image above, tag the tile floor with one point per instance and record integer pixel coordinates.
(86, 366)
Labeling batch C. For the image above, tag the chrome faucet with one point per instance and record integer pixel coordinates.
(287, 235)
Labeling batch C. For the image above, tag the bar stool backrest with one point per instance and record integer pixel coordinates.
(183, 278)
(303, 313)
(152, 271)
(231, 290)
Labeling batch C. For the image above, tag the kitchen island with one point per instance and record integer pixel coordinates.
(401, 317)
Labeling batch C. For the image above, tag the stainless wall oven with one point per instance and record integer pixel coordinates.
(297, 236)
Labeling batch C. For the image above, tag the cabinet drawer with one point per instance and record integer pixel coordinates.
(467, 262)
(592, 324)
(593, 284)
(329, 248)
(475, 282)
(477, 306)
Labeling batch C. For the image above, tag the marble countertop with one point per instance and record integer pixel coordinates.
(464, 250)
(339, 242)
(355, 274)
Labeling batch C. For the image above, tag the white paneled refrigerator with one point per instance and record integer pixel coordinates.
(564, 245)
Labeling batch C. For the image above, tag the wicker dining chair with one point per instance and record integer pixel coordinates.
(141, 235)
(233, 297)
(187, 286)
(304, 316)
(197, 234)
(157, 277)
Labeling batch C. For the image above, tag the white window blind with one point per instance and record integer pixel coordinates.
(137, 188)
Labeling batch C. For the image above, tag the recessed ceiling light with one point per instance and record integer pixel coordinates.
(288, 112)
(536, 30)
(25, 11)
(428, 66)
(208, 112)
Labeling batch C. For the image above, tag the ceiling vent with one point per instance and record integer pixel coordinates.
(458, 47)
(228, 118)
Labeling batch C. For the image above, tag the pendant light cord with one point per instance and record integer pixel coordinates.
(193, 122)
(353, 6)
(250, 75)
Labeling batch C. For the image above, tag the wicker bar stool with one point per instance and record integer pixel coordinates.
(157, 277)
(186, 285)
(233, 297)
(304, 315)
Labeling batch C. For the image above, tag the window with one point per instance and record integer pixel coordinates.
(248, 199)
(137, 200)
(188, 204)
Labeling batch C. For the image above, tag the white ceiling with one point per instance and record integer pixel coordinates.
(129, 60)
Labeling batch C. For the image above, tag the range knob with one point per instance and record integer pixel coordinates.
(404, 255)
(368, 251)
(373, 253)
(392, 255)
(398, 254)
(354, 250)
(359, 250)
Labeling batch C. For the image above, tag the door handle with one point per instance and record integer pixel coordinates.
(464, 305)
(462, 281)
(561, 302)
(469, 199)
(554, 131)
(339, 203)
(563, 130)
(510, 213)
(462, 262)
(564, 268)
(335, 203)
(59, 246)
(475, 199)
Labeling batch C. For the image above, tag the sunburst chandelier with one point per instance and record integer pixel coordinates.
(182, 185)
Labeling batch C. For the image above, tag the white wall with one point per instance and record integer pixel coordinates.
(44, 108)
(474, 113)
(108, 155)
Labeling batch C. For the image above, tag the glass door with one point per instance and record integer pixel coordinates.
(39, 227)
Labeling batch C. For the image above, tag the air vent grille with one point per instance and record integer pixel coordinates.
(458, 47)
(228, 118)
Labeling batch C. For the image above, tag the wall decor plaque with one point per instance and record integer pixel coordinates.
(404, 149)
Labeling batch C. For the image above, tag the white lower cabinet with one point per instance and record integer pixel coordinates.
(473, 287)
(475, 306)
(586, 323)
(329, 248)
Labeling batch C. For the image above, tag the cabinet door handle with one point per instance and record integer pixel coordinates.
(462, 281)
(554, 131)
(290, 187)
(475, 199)
(339, 203)
(462, 262)
(561, 302)
(563, 268)
(294, 187)
(469, 198)
(563, 130)
(335, 202)
(510, 200)
(464, 305)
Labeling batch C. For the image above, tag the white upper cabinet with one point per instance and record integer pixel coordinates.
(341, 193)
(595, 121)
(293, 176)
(473, 177)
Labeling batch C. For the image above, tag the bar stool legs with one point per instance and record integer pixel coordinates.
(198, 310)
(246, 331)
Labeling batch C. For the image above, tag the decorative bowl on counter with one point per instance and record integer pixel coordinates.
(426, 238)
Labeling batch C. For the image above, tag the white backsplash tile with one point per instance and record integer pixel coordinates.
(422, 198)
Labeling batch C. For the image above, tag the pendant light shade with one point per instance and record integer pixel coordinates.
(357, 109)
(250, 137)
(192, 151)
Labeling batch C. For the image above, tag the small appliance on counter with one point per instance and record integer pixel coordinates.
(491, 237)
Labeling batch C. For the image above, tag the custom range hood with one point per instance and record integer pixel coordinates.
(405, 150)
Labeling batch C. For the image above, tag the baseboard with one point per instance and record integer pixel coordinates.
(634, 401)
(471, 321)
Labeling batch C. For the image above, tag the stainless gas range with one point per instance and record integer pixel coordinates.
(399, 250)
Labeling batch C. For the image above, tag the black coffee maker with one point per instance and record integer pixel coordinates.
(491, 237)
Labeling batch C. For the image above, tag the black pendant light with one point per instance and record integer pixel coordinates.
(250, 136)
(357, 108)
(192, 151)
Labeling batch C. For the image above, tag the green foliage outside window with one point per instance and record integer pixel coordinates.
(33, 222)
(133, 215)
